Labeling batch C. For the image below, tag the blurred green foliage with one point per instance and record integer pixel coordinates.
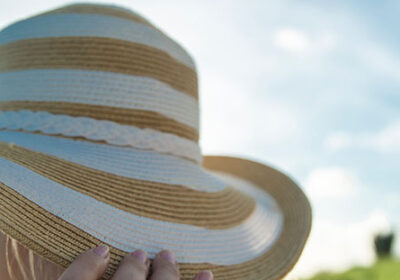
(384, 269)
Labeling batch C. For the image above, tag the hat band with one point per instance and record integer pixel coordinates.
(110, 132)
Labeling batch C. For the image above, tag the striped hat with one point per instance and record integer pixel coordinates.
(99, 130)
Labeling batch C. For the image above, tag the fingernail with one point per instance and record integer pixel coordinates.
(168, 255)
(204, 275)
(101, 250)
(140, 255)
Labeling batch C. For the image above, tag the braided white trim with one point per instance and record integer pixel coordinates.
(110, 132)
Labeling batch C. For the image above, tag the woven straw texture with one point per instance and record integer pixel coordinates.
(99, 131)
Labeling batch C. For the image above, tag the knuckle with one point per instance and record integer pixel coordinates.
(165, 267)
(131, 268)
(86, 266)
(134, 264)
(95, 262)
(93, 265)
(91, 262)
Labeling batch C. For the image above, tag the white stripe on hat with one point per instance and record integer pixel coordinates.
(127, 231)
(122, 161)
(92, 25)
(100, 88)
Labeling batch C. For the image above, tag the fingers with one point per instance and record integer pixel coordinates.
(204, 275)
(89, 265)
(92, 264)
(165, 266)
(135, 266)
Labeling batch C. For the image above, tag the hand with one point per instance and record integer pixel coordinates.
(92, 264)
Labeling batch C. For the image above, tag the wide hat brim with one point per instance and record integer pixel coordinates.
(50, 196)
(296, 209)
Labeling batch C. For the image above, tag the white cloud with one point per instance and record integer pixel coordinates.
(335, 247)
(297, 41)
(331, 182)
(385, 140)
(292, 40)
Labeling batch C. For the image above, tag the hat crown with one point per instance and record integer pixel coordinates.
(103, 73)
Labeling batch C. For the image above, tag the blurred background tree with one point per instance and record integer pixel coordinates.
(383, 245)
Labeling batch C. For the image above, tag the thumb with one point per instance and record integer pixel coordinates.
(90, 265)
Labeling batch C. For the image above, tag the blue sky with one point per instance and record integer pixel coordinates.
(310, 87)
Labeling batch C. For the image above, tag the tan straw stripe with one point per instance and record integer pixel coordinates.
(124, 116)
(60, 242)
(99, 9)
(98, 54)
(178, 204)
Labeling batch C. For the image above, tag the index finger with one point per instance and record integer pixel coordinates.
(90, 265)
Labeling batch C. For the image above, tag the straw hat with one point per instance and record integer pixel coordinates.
(99, 131)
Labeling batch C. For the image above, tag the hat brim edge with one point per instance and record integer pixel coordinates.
(296, 208)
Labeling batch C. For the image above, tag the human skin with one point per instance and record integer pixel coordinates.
(17, 262)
